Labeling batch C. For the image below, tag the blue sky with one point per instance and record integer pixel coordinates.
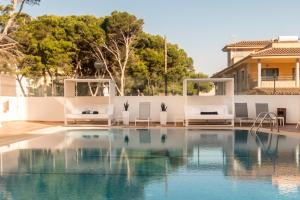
(200, 27)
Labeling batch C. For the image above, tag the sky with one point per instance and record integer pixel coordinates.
(201, 28)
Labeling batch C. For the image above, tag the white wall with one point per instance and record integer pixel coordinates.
(44, 108)
(175, 106)
(52, 108)
(16, 111)
(290, 102)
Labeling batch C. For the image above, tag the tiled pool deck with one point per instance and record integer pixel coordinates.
(20, 130)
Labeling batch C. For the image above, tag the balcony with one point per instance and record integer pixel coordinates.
(280, 82)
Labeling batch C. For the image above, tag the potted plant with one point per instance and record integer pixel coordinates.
(126, 114)
(163, 114)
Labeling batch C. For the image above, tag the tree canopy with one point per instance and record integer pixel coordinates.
(70, 46)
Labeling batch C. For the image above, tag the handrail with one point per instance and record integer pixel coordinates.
(267, 149)
(266, 114)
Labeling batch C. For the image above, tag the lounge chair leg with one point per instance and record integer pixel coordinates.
(109, 122)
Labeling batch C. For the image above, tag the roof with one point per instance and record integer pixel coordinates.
(248, 44)
(208, 80)
(266, 52)
(278, 91)
(277, 52)
(216, 75)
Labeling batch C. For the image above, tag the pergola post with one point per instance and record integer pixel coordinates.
(259, 73)
(297, 73)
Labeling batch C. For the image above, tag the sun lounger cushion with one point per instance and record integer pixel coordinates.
(207, 112)
(100, 111)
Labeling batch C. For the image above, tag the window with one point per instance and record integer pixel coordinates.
(243, 75)
(270, 73)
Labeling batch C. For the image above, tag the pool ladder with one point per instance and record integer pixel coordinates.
(263, 116)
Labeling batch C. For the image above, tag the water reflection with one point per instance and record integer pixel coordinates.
(139, 164)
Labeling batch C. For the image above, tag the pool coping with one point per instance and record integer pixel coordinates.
(55, 129)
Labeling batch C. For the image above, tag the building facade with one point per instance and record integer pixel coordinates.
(264, 67)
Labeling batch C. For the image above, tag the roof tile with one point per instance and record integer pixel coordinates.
(254, 43)
(277, 52)
(278, 91)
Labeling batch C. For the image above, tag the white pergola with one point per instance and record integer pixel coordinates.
(70, 86)
(72, 99)
(222, 94)
(229, 84)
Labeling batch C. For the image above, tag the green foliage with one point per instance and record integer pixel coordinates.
(31, 66)
(126, 106)
(120, 24)
(60, 42)
(151, 69)
(61, 46)
(195, 88)
(121, 30)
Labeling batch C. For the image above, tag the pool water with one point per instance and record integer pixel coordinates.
(154, 164)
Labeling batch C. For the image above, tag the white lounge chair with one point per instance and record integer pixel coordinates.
(144, 113)
(98, 113)
(208, 113)
(241, 113)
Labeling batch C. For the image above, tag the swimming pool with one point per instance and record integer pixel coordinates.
(152, 164)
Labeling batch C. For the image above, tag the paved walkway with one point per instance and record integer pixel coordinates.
(290, 128)
(16, 131)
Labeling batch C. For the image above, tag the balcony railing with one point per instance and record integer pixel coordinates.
(278, 78)
(280, 81)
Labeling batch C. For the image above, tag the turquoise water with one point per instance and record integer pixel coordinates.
(152, 164)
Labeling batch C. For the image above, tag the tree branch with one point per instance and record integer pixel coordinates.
(98, 53)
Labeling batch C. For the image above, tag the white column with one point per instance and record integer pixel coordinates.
(259, 74)
(297, 73)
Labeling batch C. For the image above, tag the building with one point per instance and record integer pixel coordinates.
(7, 85)
(264, 67)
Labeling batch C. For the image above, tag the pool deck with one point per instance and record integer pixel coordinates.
(21, 130)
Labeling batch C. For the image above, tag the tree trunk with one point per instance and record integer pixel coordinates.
(11, 19)
(45, 84)
(122, 88)
(19, 79)
(51, 79)
(91, 90)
